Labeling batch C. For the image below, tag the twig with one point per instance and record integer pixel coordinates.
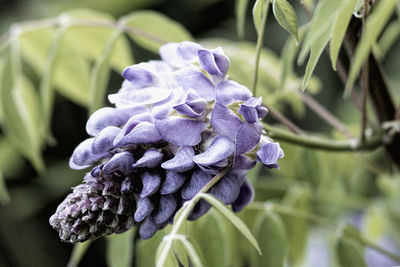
(285, 121)
(323, 143)
(364, 82)
(324, 114)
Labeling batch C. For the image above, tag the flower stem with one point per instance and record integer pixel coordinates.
(259, 46)
(323, 143)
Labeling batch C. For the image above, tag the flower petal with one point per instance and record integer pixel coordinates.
(166, 208)
(247, 137)
(151, 182)
(144, 208)
(224, 121)
(182, 161)
(103, 142)
(212, 62)
(168, 53)
(269, 153)
(141, 75)
(220, 149)
(249, 109)
(143, 133)
(173, 181)
(199, 210)
(245, 197)
(151, 159)
(82, 157)
(242, 162)
(180, 131)
(198, 180)
(228, 92)
(227, 189)
(147, 96)
(188, 50)
(121, 162)
(148, 228)
(191, 77)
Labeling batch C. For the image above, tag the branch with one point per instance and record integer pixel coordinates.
(323, 143)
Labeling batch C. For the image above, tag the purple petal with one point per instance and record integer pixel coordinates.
(214, 64)
(269, 153)
(227, 189)
(220, 149)
(168, 53)
(121, 162)
(180, 131)
(194, 106)
(230, 91)
(198, 180)
(103, 142)
(188, 50)
(261, 111)
(221, 60)
(225, 122)
(151, 159)
(106, 117)
(166, 209)
(148, 228)
(247, 137)
(249, 109)
(151, 182)
(173, 181)
(243, 163)
(82, 157)
(145, 96)
(143, 209)
(245, 197)
(141, 75)
(142, 133)
(191, 77)
(182, 161)
(199, 210)
(127, 186)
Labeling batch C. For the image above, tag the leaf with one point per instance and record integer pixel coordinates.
(235, 220)
(375, 222)
(322, 22)
(120, 249)
(195, 258)
(271, 236)
(10, 160)
(4, 195)
(181, 253)
(339, 29)
(374, 25)
(296, 228)
(286, 16)
(150, 29)
(389, 37)
(170, 261)
(240, 12)
(258, 10)
(145, 250)
(101, 73)
(348, 251)
(317, 48)
(77, 253)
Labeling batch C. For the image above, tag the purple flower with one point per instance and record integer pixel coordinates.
(176, 123)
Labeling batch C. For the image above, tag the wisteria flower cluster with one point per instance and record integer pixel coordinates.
(177, 122)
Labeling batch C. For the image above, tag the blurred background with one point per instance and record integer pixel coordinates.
(357, 188)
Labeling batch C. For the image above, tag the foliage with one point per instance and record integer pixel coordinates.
(70, 62)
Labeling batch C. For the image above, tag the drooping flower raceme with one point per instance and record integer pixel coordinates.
(177, 122)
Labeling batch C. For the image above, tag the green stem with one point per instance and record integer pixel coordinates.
(259, 46)
(186, 210)
(323, 143)
(372, 245)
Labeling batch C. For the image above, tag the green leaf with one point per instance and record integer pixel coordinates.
(271, 236)
(258, 10)
(235, 220)
(10, 160)
(317, 48)
(4, 195)
(296, 228)
(77, 253)
(181, 253)
(151, 29)
(286, 16)
(120, 249)
(381, 13)
(339, 29)
(322, 22)
(101, 73)
(171, 260)
(145, 250)
(349, 252)
(375, 222)
(195, 258)
(389, 37)
(240, 12)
